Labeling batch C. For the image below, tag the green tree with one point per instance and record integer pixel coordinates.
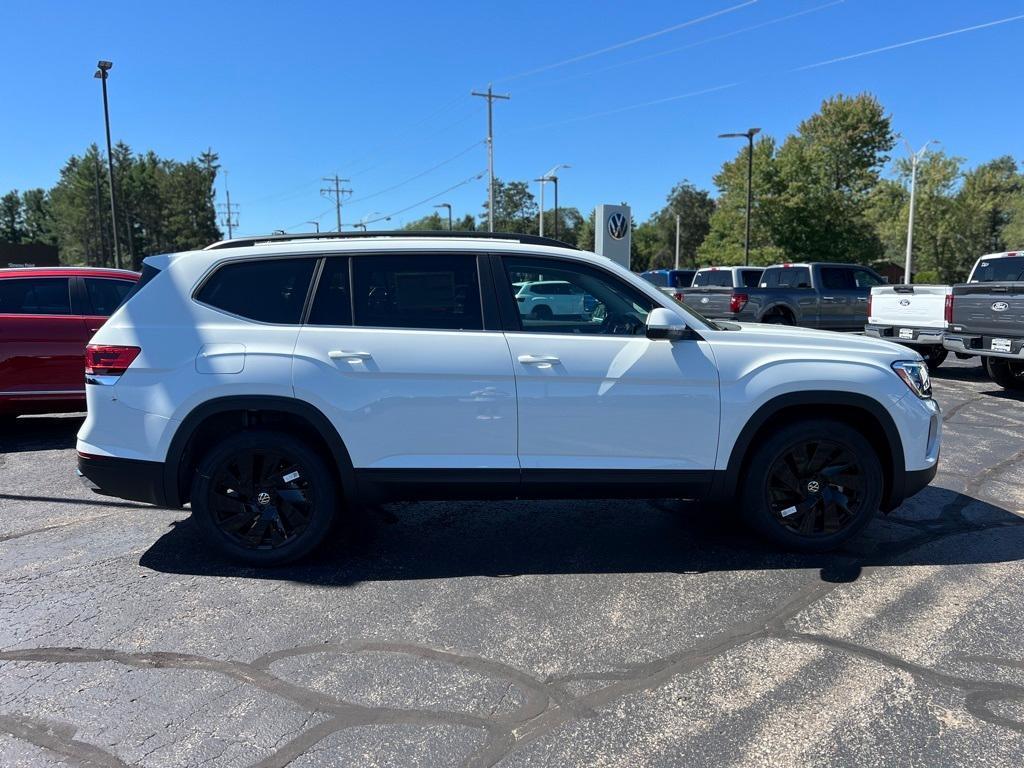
(12, 222)
(38, 217)
(655, 239)
(432, 223)
(515, 208)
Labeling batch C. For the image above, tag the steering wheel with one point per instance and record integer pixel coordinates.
(621, 324)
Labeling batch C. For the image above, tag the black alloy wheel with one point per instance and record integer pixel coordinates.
(264, 497)
(812, 484)
(1008, 374)
(816, 488)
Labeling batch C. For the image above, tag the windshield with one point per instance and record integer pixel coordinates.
(716, 277)
(1005, 269)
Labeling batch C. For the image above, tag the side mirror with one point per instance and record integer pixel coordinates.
(663, 323)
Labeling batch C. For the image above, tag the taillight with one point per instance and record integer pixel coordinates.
(103, 360)
(678, 295)
(948, 313)
(738, 302)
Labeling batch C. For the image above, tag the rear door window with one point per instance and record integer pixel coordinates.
(106, 295)
(422, 290)
(268, 290)
(838, 278)
(35, 296)
(332, 304)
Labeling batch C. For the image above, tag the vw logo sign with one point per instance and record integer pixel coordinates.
(618, 226)
(263, 498)
(1000, 306)
(813, 486)
(904, 302)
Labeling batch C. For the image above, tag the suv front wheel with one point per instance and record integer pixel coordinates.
(263, 497)
(812, 485)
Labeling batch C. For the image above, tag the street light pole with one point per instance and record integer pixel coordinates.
(677, 241)
(449, 207)
(315, 224)
(915, 158)
(554, 180)
(540, 227)
(749, 135)
(550, 176)
(101, 73)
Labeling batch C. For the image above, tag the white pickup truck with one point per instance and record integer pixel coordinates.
(912, 315)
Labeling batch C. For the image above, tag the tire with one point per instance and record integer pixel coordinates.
(777, 318)
(268, 520)
(541, 313)
(1008, 374)
(801, 483)
(934, 356)
(963, 356)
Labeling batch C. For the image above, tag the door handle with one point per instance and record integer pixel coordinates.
(828, 298)
(539, 359)
(338, 354)
(862, 300)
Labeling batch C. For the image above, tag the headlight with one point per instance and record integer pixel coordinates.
(915, 375)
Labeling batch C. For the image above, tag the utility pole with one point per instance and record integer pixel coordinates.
(229, 210)
(749, 135)
(915, 158)
(337, 192)
(490, 95)
(102, 67)
(677, 241)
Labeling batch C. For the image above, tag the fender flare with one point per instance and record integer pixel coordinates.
(791, 311)
(311, 414)
(728, 480)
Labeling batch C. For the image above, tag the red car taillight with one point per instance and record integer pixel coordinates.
(102, 360)
(678, 295)
(738, 302)
(948, 313)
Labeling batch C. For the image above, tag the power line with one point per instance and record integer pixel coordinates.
(337, 192)
(424, 201)
(627, 43)
(421, 174)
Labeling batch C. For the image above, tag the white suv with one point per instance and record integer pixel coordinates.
(280, 384)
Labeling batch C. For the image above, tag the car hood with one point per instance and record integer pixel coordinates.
(806, 343)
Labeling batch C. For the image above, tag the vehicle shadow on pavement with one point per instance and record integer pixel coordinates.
(39, 433)
(970, 371)
(450, 540)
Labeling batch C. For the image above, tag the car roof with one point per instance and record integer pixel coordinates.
(124, 274)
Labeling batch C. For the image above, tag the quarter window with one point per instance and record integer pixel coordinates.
(35, 296)
(430, 291)
(106, 295)
(269, 291)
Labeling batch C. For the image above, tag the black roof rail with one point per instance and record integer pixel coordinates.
(244, 242)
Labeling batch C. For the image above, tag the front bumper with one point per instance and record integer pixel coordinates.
(972, 344)
(124, 478)
(904, 334)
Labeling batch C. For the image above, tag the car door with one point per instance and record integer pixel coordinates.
(595, 393)
(396, 352)
(837, 288)
(42, 344)
(864, 280)
(101, 296)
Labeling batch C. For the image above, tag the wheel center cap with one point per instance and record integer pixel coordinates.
(263, 498)
(812, 487)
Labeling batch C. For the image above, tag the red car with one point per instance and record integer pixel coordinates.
(47, 315)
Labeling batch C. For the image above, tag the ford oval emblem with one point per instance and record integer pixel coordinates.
(1000, 306)
(704, 300)
(904, 302)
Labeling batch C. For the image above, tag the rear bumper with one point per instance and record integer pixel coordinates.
(922, 336)
(124, 478)
(972, 344)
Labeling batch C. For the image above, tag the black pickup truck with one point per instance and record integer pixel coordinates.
(816, 295)
(987, 317)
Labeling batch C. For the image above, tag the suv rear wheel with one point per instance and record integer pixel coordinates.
(1008, 374)
(812, 485)
(264, 497)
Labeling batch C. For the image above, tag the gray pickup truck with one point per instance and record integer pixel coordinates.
(986, 317)
(817, 295)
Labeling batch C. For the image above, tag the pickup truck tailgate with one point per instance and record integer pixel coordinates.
(712, 301)
(914, 306)
(990, 309)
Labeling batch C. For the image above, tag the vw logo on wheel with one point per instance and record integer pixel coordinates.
(813, 486)
(263, 498)
(618, 225)
(1000, 306)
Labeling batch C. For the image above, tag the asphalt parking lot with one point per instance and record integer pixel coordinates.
(520, 634)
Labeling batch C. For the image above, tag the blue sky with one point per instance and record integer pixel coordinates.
(379, 92)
